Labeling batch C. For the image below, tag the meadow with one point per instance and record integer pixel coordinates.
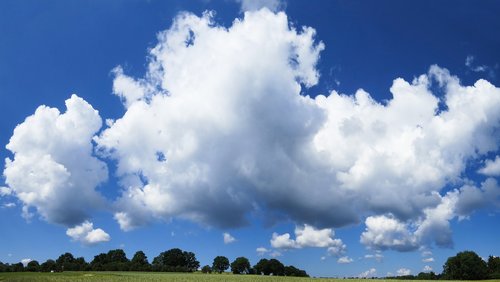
(152, 276)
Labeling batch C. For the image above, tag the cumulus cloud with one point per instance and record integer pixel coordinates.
(427, 259)
(384, 232)
(427, 268)
(403, 272)
(86, 234)
(369, 273)
(228, 239)
(53, 169)
(308, 236)
(220, 126)
(344, 260)
(491, 167)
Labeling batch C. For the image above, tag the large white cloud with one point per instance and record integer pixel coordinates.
(53, 169)
(220, 126)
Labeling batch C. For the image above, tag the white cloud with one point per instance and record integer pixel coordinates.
(491, 168)
(426, 253)
(219, 127)
(9, 205)
(344, 260)
(427, 259)
(53, 169)
(403, 272)
(26, 261)
(181, 154)
(261, 251)
(5, 191)
(228, 239)
(427, 268)
(308, 236)
(377, 256)
(253, 5)
(275, 254)
(384, 232)
(283, 241)
(369, 273)
(86, 234)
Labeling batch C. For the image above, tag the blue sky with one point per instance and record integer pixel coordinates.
(220, 117)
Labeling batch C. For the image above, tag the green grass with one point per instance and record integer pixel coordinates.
(145, 276)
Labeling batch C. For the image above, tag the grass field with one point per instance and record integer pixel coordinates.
(144, 276)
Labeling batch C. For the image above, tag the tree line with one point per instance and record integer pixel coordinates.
(466, 265)
(173, 260)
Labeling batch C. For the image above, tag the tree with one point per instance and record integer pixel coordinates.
(176, 260)
(98, 263)
(140, 262)
(262, 267)
(206, 269)
(494, 267)
(116, 260)
(66, 262)
(220, 264)
(17, 267)
(276, 267)
(240, 265)
(465, 265)
(33, 266)
(293, 271)
(48, 266)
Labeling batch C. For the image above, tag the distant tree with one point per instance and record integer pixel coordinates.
(33, 266)
(3, 267)
(240, 265)
(465, 265)
(48, 266)
(191, 263)
(206, 269)
(427, 276)
(140, 262)
(276, 267)
(176, 260)
(116, 260)
(262, 267)
(66, 262)
(220, 264)
(98, 263)
(17, 267)
(293, 271)
(494, 267)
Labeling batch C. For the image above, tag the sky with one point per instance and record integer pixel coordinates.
(346, 138)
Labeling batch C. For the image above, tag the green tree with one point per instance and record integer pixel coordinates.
(293, 271)
(33, 266)
(17, 267)
(465, 265)
(176, 260)
(48, 266)
(262, 267)
(276, 267)
(220, 264)
(66, 262)
(494, 267)
(140, 262)
(240, 265)
(98, 263)
(206, 269)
